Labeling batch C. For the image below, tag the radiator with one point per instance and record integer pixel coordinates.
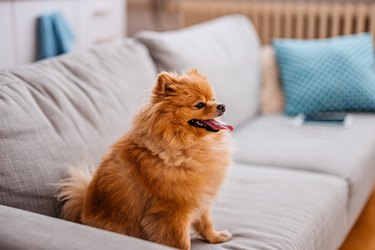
(275, 19)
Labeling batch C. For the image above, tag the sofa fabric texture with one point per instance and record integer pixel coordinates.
(349, 153)
(40, 232)
(269, 208)
(227, 50)
(63, 112)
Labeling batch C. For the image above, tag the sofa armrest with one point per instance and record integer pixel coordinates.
(21, 229)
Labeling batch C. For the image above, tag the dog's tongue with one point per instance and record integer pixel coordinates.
(218, 126)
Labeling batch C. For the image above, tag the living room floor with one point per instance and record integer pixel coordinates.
(362, 236)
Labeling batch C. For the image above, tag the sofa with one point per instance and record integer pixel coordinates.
(289, 187)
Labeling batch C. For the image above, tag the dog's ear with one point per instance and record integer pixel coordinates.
(194, 71)
(165, 84)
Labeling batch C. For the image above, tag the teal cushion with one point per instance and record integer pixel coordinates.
(336, 74)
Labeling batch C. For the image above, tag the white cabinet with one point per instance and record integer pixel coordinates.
(92, 21)
(98, 20)
(7, 48)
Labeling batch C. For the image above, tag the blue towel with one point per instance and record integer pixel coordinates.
(54, 36)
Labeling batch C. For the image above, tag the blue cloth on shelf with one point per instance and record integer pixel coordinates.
(54, 36)
(327, 75)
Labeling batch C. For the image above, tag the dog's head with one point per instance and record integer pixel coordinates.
(188, 103)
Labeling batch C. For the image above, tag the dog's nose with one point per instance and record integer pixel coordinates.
(221, 108)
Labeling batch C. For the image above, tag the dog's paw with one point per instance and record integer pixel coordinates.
(219, 236)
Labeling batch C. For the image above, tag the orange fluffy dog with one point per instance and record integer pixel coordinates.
(161, 177)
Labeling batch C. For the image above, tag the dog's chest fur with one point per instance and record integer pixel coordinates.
(202, 169)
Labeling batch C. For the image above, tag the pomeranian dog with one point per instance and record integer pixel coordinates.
(161, 177)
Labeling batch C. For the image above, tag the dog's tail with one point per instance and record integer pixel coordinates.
(72, 191)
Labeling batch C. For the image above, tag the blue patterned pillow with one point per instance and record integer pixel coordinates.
(336, 74)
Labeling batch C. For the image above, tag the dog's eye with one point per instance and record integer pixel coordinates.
(200, 105)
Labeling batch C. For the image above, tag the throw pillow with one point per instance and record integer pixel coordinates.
(336, 74)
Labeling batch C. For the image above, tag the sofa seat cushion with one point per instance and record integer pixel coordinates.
(65, 111)
(270, 208)
(226, 49)
(22, 230)
(348, 153)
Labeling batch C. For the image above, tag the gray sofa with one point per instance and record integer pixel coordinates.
(288, 188)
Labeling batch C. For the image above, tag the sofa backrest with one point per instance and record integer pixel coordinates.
(65, 111)
(226, 49)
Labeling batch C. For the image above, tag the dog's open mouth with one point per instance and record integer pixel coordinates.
(210, 125)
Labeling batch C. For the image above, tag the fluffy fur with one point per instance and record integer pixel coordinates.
(161, 177)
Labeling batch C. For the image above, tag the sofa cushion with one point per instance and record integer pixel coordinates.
(348, 153)
(269, 208)
(64, 111)
(26, 230)
(227, 50)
